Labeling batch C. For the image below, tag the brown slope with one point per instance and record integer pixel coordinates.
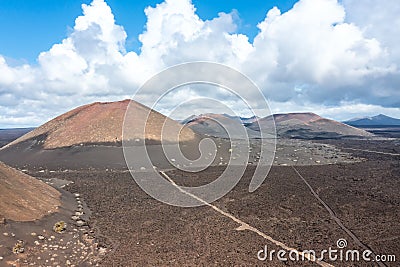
(100, 123)
(304, 117)
(24, 198)
(309, 125)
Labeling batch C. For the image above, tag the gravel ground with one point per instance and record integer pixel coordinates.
(137, 230)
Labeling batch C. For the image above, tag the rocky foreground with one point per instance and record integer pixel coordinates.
(43, 225)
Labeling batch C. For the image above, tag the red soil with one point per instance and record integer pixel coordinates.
(102, 123)
(24, 198)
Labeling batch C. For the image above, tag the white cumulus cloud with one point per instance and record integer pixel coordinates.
(321, 54)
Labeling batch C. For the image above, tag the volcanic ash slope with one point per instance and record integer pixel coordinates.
(24, 198)
(101, 123)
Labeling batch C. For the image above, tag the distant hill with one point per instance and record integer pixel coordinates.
(90, 136)
(213, 125)
(244, 120)
(378, 120)
(288, 125)
(100, 123)
(309, 126)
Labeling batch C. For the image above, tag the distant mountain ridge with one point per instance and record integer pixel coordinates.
(244, 120)
(308, 125)
(304, 125)
(378, 120)
(213, 125)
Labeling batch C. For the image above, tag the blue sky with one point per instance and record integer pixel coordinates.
(30, 27)
(337, 58)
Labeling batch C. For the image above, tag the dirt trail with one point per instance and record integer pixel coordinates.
(245, 226)
(335, 218)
